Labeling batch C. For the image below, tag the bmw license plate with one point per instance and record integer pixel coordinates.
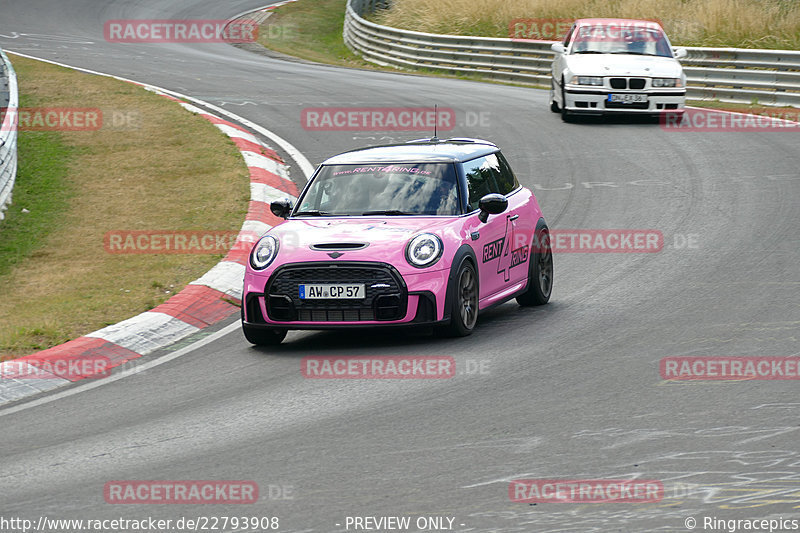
(627, 98)
(336, 291)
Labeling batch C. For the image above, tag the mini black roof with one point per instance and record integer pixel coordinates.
(418, 151)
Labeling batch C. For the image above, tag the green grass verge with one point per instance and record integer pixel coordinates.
(41, 189)
(311, 31)
(711, 23)
(162, 169)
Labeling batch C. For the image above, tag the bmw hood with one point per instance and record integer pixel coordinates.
(624, 65)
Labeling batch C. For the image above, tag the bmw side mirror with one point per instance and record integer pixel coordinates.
(491, 204)
(680, 52)
(281, 208)
(557, 48)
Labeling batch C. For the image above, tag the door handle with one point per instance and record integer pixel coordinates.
(513, 217)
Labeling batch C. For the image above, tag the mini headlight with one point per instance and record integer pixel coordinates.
(424, 250)
(587, 80)
(264, 252)
(666, 82)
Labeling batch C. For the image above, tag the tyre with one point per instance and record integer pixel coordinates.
(553, 104)
(566, 116)
(540, 270)
(464, 306)
(263, 336)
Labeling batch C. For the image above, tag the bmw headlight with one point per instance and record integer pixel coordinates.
(666, 82)
(264, 252)
(424, 250)
(587, 80)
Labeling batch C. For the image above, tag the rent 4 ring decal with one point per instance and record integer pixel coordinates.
(500, 248)
(519, 256)
(493, 249)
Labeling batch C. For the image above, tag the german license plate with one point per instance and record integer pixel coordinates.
(337, 291)
(627, 98)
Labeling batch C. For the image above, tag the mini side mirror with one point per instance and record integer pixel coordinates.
(557, 48)
(680, 52)
(281, 208)
(491, 204)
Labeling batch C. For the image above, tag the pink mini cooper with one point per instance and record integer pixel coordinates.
(428, 232)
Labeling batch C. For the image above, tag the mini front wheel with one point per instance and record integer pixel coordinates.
(464, 307)
(263, 336)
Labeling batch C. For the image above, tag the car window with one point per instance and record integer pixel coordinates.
(488, 175)
(568, 37)
(415, 189)
(616, 39)
(507, 181)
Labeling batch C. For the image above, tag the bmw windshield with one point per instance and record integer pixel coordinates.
(634, 39)
(391, 189)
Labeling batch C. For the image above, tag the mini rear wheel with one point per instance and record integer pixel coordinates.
(540, 270)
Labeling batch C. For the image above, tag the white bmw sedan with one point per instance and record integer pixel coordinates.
(609, 66)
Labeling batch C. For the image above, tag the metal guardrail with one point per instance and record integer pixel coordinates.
(770, 77)
(9, 100)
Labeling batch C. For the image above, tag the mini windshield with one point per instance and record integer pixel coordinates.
(394, 189)
(635, 39)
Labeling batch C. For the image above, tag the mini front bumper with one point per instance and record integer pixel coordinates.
(415, 299)
(421, 312)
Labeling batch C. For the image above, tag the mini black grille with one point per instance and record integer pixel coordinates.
(619, 83)
(335, 315)
(636, 83)
(253, 310)
(386, 296)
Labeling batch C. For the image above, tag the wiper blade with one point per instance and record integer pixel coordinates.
(633, 53)
(588, 52)
(389, 212)
(312, 213)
